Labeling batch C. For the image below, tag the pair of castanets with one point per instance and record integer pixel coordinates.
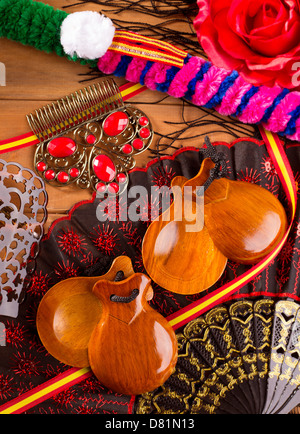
(242, 222)
(106, 323)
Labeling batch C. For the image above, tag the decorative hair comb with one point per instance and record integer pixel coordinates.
(89, 138)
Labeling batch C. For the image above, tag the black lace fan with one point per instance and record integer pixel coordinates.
(240, 357)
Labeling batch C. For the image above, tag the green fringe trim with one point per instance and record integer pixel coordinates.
(35, 24)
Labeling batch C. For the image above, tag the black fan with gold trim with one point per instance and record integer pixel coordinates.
(241, 357)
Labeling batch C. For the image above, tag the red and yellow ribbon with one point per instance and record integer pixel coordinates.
(46, 390)
(132, 44)
(128, 90)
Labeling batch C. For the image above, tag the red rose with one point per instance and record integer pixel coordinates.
(258, 38)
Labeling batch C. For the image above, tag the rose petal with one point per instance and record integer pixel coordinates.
(217, 6)
(242, 19)
(283, 77)
(256, 77)
(268, 16)
(267, 32)
(203, 13)
(277, 45)
(231, 43)
(276, 64)
(210, 44)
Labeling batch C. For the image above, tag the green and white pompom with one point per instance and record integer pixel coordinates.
(83, 36)
(86, 35)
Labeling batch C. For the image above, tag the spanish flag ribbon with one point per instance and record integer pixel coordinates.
(132, 44)
(46, 390)
(128, 90)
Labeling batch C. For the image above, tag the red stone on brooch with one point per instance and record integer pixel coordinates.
(61, 147)
(104, 168)
(115, 123)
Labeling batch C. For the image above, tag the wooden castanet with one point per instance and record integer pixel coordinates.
(133, 349)
(178, 251)
(69, 312)
(245, 221)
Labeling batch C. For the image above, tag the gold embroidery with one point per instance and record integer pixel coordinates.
(230, 353)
